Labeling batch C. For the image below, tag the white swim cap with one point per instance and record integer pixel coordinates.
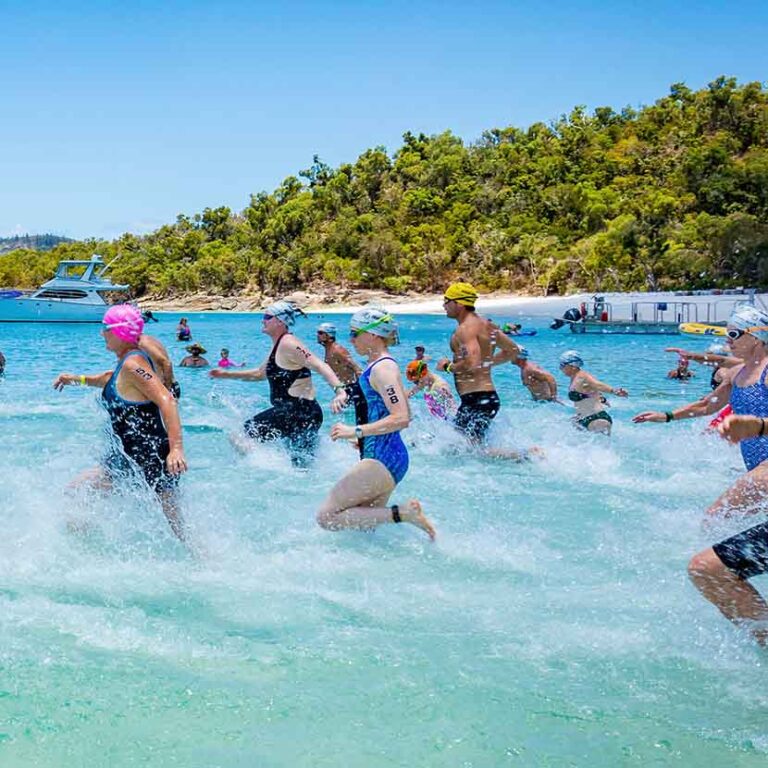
(377, 321)
(328, 328)
(285, 311)
(749, 318)
(571, 357)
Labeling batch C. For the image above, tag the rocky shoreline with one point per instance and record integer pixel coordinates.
(311, 301)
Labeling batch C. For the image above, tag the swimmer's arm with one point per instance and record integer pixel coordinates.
(547, 377)
(706, 406)
(153, 389)
(600, 386)
(385, 379)
(508, 350)
(348, 359)
(724, 361)
(468, 358)
(87, 380)
(251, 374)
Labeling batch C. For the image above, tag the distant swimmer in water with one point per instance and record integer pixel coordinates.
(295, 416)
(437, 392)
(716, 357)
(341, 363)
(477, 346)
(360, 500)
(420, 353)
(195, 357)
(682, 372)
(540, 383)
(586, 393)
(2, 363)
(225, 362)
(183, 331)
(143, 416)
(148, 317)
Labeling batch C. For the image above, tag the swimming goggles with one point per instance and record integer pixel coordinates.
(737, 333)
(355, 332)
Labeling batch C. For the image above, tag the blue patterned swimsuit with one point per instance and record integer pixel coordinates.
(389, 449)
(752, 401)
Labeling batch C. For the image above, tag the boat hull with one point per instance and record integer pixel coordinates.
(24, 310)
(625, 327)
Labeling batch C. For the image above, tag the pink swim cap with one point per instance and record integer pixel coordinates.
(125, 321)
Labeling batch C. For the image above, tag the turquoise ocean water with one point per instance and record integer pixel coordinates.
(551, 624)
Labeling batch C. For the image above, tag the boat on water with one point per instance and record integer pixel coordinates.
(75, 294)
(653, 317)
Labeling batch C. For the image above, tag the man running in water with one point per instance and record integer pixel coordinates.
(340, 361)
(477, 346)
(540, 383)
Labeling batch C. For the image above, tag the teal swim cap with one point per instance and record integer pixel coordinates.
(571, 357)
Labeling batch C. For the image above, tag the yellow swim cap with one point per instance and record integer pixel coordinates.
(462, 293)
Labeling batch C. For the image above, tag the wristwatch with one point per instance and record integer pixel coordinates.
(359, 432)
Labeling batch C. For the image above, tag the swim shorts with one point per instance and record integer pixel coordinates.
(746, 553)
(475, 414)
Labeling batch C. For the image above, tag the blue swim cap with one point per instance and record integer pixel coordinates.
(328, 328)
(285, 311)
(571, 357)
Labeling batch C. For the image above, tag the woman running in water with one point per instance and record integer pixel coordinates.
(721, 572)
(295, 415)
(360, 499)
(586, 393)
(143, 416)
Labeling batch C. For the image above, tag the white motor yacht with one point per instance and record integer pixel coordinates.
(74, 295)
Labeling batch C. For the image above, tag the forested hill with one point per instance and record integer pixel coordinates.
(31, 242)
(672, 195)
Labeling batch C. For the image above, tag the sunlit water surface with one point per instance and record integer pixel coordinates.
(551, 624)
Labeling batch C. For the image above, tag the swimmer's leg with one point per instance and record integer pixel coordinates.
(95, 478)
(732, 595)
(169, 500)
(602, 426)
(745, 495)
(358, 501)
(526, 454)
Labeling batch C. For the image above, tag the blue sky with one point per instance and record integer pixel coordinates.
(117, 117)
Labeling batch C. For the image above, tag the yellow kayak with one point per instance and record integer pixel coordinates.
(702, 329)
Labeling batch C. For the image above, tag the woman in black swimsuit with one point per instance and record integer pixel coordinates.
(143, 416)
(585, 392)
(295, 416)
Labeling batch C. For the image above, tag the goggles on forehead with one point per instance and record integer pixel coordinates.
(355, 332)
(737, 333)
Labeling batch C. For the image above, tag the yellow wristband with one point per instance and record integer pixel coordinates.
(82, 380)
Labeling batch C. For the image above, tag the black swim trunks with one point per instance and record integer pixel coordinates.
(746, 553)
(296, 421)
(475, 414)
